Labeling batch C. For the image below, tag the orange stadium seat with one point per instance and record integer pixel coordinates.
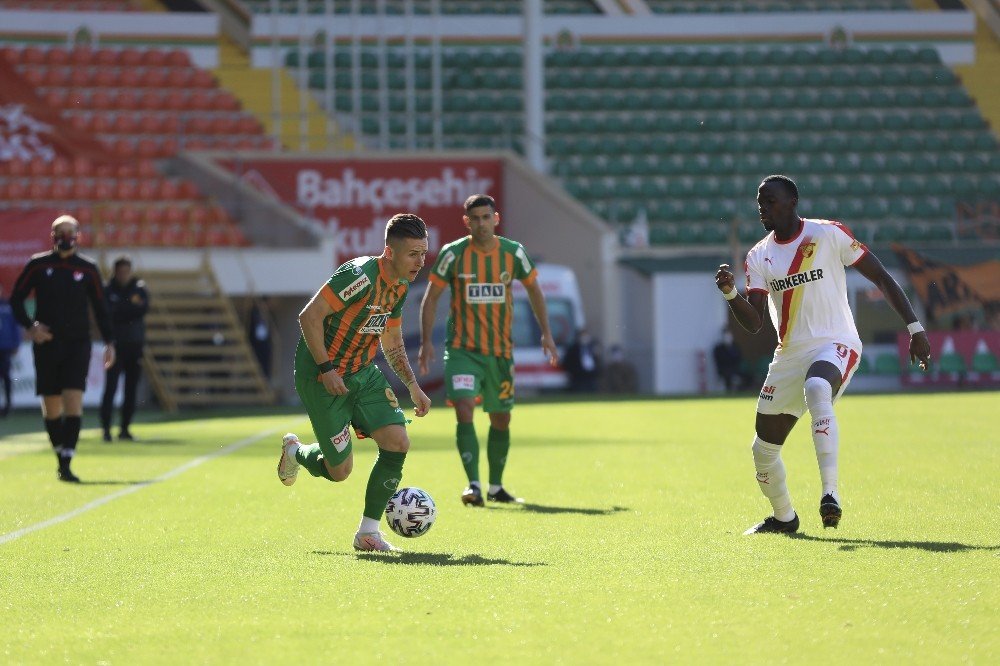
(57, 56)
(106, 57)
(147, 148)
(146, 169)
(223, 101)
(81, 55)
(61, 166)
(125, 190)
(125, 123)
(103, 100)
(179, 78)
(83, 189)
(168, 190)
(32, 55)
(130, 57)
(80, 77)
(105, 78)
(151, 100)
(153, 58)
(170, 124)
(129, 78)
(61, 189)
(188, 190)
(155, 78)
(56, 77)
(202, 79)
(199, 100)
(34, 76)
(127, 99)
(104, 189)
(178, 58)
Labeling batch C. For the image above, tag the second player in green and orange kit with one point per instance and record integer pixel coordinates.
(479, 270)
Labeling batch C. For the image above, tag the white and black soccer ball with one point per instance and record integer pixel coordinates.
(410, 512)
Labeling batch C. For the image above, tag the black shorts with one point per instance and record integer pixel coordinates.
(61, 365)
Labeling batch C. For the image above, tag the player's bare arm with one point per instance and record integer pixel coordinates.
(311, 322)
(428, 311)
(537, 300)
(749, 312)
(870, 266)
(395, 354)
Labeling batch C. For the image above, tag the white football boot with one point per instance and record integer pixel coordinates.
(288, 466)
(372, 541)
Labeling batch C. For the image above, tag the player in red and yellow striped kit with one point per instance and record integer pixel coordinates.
(798, 271)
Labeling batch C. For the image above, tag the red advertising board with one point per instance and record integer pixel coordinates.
(22, 234)
(958, 358)
(353, 198)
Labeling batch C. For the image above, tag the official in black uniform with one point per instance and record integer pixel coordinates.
(64, 283)
(128, 303)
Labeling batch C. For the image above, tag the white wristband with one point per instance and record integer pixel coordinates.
(915, 328)
(733, 293)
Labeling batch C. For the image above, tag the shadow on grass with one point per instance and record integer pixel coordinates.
(531, 507)
(143, 441)
(929, 546)
(115, 482)
(432, 559)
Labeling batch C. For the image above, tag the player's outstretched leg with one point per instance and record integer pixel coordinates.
(382, 483)
(288, 466)
(826, 440)
(771, 479)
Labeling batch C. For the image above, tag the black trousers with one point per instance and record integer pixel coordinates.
(128, 359)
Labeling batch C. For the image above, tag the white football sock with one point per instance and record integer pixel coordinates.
(495, 488)
(368, 525)
(771, 478)
(826, 437)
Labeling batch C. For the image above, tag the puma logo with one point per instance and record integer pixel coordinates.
(823, 431)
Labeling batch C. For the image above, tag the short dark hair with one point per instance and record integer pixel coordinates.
(123, 260)
(404, 225)
(477, 200)
(789, 184)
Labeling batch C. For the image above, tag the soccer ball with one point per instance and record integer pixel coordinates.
(410, 512)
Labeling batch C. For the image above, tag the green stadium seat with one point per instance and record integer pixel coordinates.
(985, 362)
(888, 364)
(951, 362)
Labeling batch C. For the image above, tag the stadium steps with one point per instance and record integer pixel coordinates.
(980, 79)
(197, 352)
(253, 87)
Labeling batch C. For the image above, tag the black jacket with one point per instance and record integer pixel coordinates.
(62, 287)
(128, 305)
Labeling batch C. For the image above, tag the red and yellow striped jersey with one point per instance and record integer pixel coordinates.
(481, 309)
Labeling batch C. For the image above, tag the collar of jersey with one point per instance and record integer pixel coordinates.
(489, 251)
(802, 227)
(385, 276)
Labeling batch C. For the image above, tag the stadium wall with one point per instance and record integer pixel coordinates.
(196, 33)
(951, 33)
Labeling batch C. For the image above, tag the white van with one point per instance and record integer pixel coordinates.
(532, 371)
(565, 307)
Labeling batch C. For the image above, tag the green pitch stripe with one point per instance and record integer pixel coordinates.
(191, 464)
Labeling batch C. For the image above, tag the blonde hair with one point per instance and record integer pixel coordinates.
(65, 219)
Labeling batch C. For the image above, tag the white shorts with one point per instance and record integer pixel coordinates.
(782, 392)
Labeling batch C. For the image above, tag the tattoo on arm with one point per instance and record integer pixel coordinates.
(396, 356)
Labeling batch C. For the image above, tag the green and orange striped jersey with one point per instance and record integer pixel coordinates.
(481, 309)
(365, 302)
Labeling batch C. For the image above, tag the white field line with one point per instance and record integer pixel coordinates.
(128, 490)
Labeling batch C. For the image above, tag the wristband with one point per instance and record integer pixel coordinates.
(733, 293)
(915, 328)
(326, 366)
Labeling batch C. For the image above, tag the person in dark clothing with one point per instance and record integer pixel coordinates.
(10, 340)
(582, 363)
(128, 303)
(260, 336)
(728, 363)
(64, 283)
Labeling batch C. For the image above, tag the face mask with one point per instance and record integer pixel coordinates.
(65, 242)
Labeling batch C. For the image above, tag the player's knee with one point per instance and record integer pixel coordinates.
(818, 391)
(392, 438)
(339, 472)
(500, 420)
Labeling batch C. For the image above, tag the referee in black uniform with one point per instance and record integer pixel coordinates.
(64, 283)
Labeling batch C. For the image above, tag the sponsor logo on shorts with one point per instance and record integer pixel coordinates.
(463, 382)
(767, 393)
(354, 288)
(485, 292)
(342, 439)
(375, 324)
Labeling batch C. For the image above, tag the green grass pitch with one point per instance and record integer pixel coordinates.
(630, 549)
